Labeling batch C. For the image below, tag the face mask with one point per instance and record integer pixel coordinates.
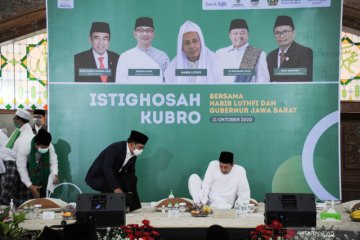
(37, 121)
(16, 125)
(137, 152)
(43, 150)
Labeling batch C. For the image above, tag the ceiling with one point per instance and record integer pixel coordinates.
(21, 17)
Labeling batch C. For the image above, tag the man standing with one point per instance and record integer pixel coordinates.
(113, 171)
(142, 64)
(39, 120)
(223, 184)
(36, 163)
(291, 62)
(194, 62)
(97, 64)
(247, 63)
(18, 143)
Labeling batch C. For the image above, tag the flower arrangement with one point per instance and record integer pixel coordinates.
(131, 232)
(273, 231)
(9, 225)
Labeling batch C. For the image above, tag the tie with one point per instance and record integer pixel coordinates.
(282, 58)
(103, 78)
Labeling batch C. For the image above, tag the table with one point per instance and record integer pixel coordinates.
(225, 218)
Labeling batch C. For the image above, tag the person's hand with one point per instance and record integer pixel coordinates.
(55, 179)
(118, 190)
(35, 190)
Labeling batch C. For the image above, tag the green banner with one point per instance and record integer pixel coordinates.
(286, 135)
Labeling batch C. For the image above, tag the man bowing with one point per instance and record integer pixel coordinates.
(113, 171)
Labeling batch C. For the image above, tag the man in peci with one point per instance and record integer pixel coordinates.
(143, 56)
(39, 120)
(241, 55)
(223, 184)
(97, 64)
(290, 57)
(113, 171)
(38, 164)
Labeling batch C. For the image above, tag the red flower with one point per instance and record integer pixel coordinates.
(155, 233)
(276, 225)
(146, 222)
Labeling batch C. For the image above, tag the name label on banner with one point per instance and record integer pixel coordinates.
(94, 72)
(239, 72)
(69, 4)
(290, 72)
(190, 72)
(48, 215)
(144, 72)
(257, 4)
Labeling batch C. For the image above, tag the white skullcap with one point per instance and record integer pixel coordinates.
(23, 114)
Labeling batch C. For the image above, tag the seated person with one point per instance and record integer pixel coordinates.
(223, 184)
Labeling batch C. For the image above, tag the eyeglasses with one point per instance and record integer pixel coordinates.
(143, 30)
(285, 33)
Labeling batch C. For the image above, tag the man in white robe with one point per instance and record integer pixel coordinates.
(142, 64)
(11, 185)
(194, 62)
(241, 55)
(223, 184)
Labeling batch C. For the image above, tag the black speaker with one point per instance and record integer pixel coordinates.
(104, 210)
(291, 209)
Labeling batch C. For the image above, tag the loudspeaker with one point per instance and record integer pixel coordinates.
(104, 210)
(78, 230)
(292, 210)
(49, 233)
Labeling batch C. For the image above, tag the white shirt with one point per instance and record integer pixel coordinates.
(105, 60)
(230, 58)
(221, 190)
(22, 148)
(3, 150)
(136, 59)
(128, 156)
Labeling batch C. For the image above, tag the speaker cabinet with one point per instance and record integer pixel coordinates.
(104, 210)
(292, 210)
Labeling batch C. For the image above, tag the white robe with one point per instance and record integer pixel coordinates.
(22, 147)
(4, 154)
(220, 190)
(136, 59)
(230, 58)
(208, 60)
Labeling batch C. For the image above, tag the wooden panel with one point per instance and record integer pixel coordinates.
(22, 24)
(350, 150)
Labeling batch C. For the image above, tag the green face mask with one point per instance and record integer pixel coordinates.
(43, 150)
(16, 125)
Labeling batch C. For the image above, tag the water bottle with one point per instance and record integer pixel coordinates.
(171, 195)
(243, 208)
(176, 210)
(170, 211)
(237, 210)
(12, 209)
(163, 210)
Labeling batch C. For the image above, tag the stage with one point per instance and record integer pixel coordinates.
(188, 227)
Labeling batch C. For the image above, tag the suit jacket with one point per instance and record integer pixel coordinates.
(104, 174)
(297, 56)
(44, 126)
(86, 60)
